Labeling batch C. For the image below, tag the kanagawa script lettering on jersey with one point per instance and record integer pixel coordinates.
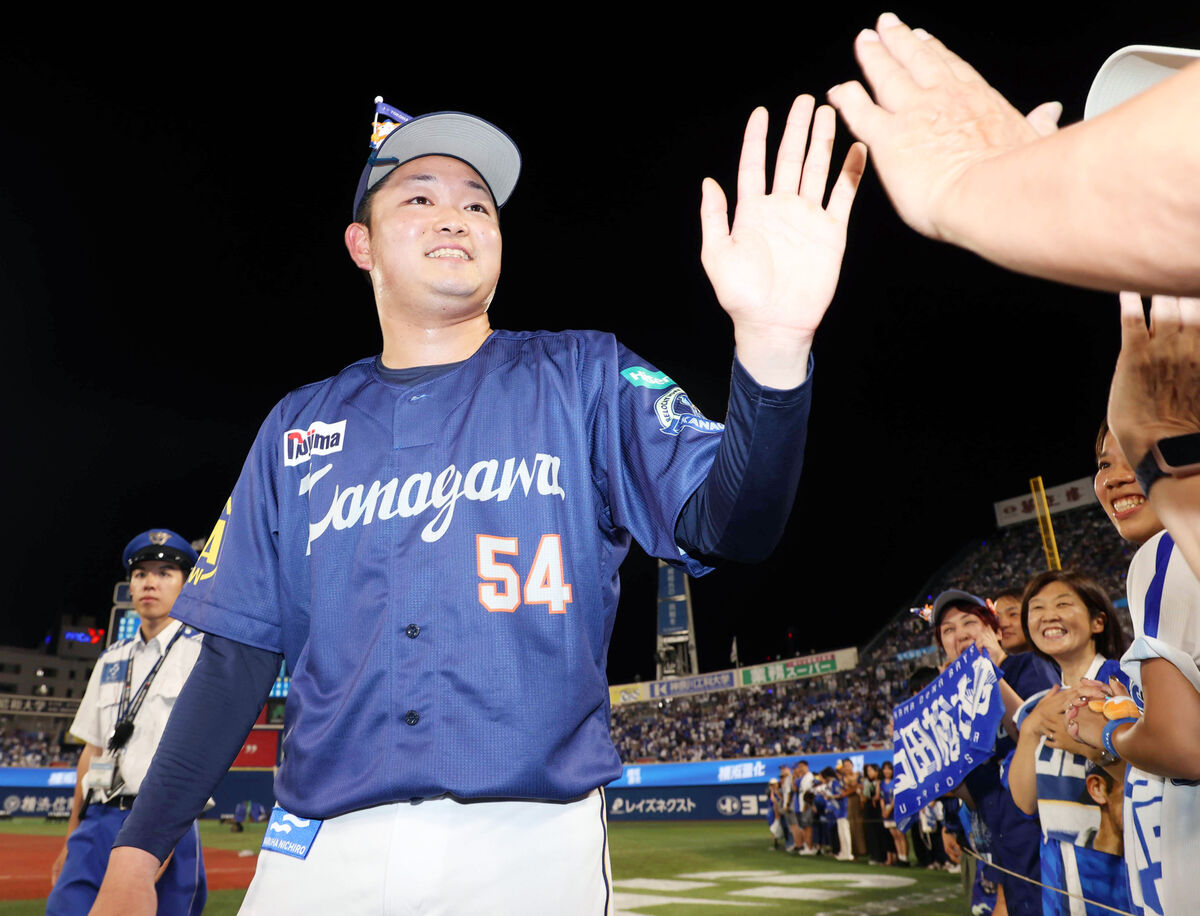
(423, 492)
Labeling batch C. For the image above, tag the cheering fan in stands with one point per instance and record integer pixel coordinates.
(1162, 812)
(960, 620)
(899, 854)
(877, 840)
(1069, 619)
(1007, 606)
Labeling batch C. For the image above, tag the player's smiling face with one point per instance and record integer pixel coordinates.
(1118, 491)
(1060, 624)
(434, 241)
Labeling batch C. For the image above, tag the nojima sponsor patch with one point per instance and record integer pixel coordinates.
(290, 835)
(299, 445)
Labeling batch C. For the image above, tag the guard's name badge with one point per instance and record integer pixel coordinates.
(293, 836)
(101, 775)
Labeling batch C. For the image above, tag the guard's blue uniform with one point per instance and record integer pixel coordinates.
(182, 889)
(438, 564)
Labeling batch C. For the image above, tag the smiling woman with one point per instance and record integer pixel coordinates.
(961, 620)
(1074, 789)
(1118, 491)
(1069, 620)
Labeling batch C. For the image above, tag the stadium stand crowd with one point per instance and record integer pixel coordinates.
(852, 710)
(35, 749)
(1087, 543)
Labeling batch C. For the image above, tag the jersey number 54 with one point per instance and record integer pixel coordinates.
(500, 586)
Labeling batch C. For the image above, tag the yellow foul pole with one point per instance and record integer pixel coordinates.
(1049, 545)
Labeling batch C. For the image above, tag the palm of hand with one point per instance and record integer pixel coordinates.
(780, 267)
(775, 270)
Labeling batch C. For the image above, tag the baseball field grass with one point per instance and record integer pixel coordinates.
(659, 869)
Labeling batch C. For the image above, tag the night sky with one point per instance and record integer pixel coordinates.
(171, 214)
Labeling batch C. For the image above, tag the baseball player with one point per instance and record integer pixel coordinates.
(431, 539)
(121, 718)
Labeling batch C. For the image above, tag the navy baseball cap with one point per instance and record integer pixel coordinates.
(159, 544)
(952, 597)
(479, 143)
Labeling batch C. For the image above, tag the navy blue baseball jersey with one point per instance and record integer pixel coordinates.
(438, 564)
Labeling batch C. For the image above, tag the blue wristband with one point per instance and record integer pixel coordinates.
(1106, 737)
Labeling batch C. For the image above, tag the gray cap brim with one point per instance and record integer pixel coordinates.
(480, 144)
(1131, 71)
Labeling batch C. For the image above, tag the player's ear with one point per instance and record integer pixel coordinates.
(358, 243)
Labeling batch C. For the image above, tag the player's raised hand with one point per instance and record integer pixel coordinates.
(933, 117)
(776, 269)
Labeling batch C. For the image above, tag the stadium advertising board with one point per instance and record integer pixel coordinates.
(910, 654)
(260, 749)
(37, 791)
(750, 770)
(796, 668)
(773, 672)
(1058, 499)
(944, 732)
(711, 789)
(41, 706)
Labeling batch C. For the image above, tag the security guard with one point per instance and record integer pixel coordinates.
(121, 718)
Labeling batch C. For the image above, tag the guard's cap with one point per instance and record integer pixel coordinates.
(479, 143)
(159, 544)
(771, 780)
(1131, 71)
(952, 597)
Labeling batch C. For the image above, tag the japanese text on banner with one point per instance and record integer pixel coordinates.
(944, 732)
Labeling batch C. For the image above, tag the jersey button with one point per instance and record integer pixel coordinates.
(413, 631)
(412, 717)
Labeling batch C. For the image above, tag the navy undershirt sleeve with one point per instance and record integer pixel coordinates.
(212, 716)
(740, 510)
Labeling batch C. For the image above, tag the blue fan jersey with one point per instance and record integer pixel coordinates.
(1087, 875)
(438, 564)
(1070, 820)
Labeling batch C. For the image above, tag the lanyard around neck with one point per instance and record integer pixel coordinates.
(127, 711)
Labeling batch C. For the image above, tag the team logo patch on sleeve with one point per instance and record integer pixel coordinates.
(114, 672)
(319, 439)
(676, 411)
(293, 836)
(641, 377)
